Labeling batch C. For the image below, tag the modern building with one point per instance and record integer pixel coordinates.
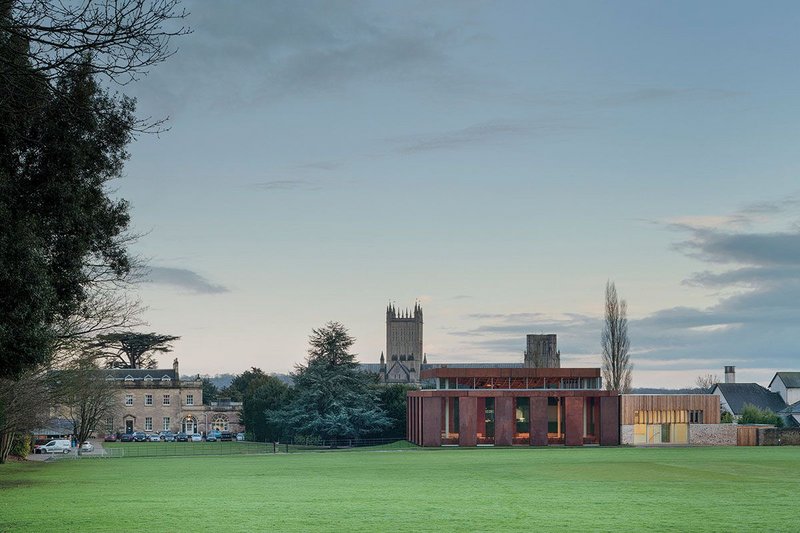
(541, 351)
(513, 406)
(663, 419)
(154, 400)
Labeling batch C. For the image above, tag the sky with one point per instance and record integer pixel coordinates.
(498, 162)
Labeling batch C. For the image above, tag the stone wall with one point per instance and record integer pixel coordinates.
(712, 434)
(779, 436)
(626, 434)
(699, 435)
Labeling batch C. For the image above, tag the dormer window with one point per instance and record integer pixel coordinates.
(148, 377)
(109, 378)
(166, 378)
(128, 378)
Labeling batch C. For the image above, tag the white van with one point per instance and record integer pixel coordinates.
(55, 446)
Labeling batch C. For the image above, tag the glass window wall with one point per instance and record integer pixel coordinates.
(522, 418)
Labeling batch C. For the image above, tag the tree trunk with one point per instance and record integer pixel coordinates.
(6, 440)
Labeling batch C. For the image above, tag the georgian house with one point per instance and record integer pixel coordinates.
(154, 400)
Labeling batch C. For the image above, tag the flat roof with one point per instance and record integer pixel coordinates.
(499, 372)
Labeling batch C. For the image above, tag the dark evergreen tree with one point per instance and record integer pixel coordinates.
(131, 349)
(393, 400)
(333, 399)
(264, 395)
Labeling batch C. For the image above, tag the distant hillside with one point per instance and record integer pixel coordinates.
(646, 390)
(223, 380)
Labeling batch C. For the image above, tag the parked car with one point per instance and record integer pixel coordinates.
(226, 435)
(197, 437)
(110, 438)
(154, 437)
(211, 437)
(139, 436)
(126, 437)
(240, 437)
(87, 447)
(182, 437)
(167, 436)
(54, 446)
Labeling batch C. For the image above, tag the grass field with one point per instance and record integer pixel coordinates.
(595, 489)
(156, 449)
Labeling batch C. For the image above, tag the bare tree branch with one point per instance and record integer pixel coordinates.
(617, 367)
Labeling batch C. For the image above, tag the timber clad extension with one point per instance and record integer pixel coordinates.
(513, 406)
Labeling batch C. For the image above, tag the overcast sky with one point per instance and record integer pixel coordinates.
(497, 161)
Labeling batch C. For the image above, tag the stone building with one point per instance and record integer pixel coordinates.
(402, 362)
(541, 351)
(154, 400)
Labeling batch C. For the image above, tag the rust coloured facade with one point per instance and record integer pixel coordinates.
(513, 406)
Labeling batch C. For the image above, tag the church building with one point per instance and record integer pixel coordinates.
(402, 362)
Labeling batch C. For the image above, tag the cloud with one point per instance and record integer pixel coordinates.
(490, 132)
(754, 320)
(281, 49)
(661, 94)
(752, 324)
(743, 248)
(283, 185)
(184, 279)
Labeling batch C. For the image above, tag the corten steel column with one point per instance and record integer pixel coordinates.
(432, 421)
(609, 421)
(467, 421)
(409, 436)
(538, 420)
(573, 411)
(503, 420)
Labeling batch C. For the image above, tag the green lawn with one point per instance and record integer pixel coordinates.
(618, 489)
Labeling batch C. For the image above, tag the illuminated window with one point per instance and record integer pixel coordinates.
(522, 421)
(220, 423)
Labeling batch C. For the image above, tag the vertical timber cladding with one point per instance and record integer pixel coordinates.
(468, 421)
(503, 420)
(432, 420)
(538, 424)
(707, 403)
(609, 420)
(573, 407)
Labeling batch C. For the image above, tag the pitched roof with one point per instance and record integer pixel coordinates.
(793, 409)
(140, 374)
(739, 394)
(791, 380)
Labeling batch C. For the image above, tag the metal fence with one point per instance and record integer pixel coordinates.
(199, 449)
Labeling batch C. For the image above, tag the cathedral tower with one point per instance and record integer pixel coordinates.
(404, 340)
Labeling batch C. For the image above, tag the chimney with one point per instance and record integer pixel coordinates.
(175, 368)
(730, 374)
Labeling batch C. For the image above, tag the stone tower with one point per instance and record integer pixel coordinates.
(542, 352)
(404, 339)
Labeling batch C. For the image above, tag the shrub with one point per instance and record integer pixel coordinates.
(726, 418)
(21, 446)
(753, 415)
